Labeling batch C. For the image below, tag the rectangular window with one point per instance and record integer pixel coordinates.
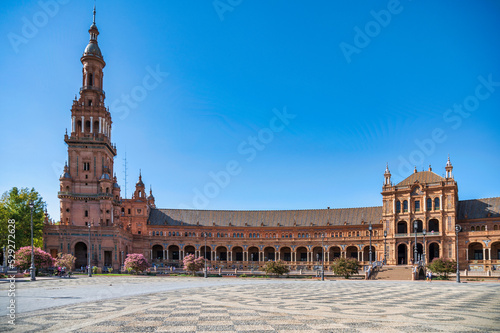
(86, 166)
(417, 205)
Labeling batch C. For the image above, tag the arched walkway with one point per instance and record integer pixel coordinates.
(158, 252)
(221, 253)
(189, 249)
(173, 252)
(301, 253)
(475, 251)
(366, 253)
(334, 253)
(285, 253)
(495, 251)
(237, 253)
(433, 251)
(351, 252)
(317, 254)
(206, 252)
(81, 254)
(253, 254)
(269, 253)
(402, 254)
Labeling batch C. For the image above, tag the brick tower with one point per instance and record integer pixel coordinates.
(89, 192)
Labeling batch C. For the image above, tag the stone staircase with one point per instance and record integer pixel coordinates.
(394, 273)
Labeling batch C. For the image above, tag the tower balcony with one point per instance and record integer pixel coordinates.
(99, 90)
(87, 138)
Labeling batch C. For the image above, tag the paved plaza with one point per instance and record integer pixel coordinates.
(180, 304)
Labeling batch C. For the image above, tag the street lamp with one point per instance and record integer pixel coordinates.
(424, 232)
(458, 228)
(90, 253)
(123, 261)
(415, 227)
(370, 232)
(385, 247)
(32, 268)
(205, 272)
(322, 257)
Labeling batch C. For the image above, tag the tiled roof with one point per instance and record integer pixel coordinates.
(269, 218)
(422, 177)
(479, 208)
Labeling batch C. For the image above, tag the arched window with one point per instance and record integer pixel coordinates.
(340, 234)
(90, 81)
(436, 204)
(157, 233)
(398, 206)
(161, 233)
(483, 228)
(429, 204)
(495, 227)
(405, 206)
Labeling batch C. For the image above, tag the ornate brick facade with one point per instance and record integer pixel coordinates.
(89, 194)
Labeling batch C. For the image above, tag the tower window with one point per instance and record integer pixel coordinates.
(90, 102)
(86, 213)
(90, 81)
(86, 166)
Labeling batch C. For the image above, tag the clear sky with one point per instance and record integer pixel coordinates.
(303, 101)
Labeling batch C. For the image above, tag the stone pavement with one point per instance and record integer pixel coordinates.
(254, 305)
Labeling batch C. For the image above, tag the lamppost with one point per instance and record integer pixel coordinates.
(90, 253)
(32, 268)
(415, 227)
(123, 261)
(424, 232)
(205, 272)
(385, 247)
(322, 257)
(370, 232)
(458, 228)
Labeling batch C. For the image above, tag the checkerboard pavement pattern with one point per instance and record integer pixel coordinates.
(291, 306)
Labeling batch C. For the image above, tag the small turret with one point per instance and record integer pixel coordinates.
(387, 176)
(449, 169)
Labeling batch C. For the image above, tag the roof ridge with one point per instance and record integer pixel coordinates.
(263, 210)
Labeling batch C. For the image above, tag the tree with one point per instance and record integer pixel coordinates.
(65, 260)
(42, 258)
(14, 205)
(136, 262)
(442, 266)
(192, 264)
(276, 267)
(345, 267)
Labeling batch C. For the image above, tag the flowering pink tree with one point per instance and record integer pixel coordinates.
(65, 260)
(192, 264)
(42, 258)
(136, 262)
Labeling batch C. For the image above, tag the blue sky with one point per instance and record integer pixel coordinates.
(364, 83)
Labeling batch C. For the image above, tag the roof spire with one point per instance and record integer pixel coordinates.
(93, 21)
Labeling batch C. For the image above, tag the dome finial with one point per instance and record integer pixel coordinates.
(93, 20)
